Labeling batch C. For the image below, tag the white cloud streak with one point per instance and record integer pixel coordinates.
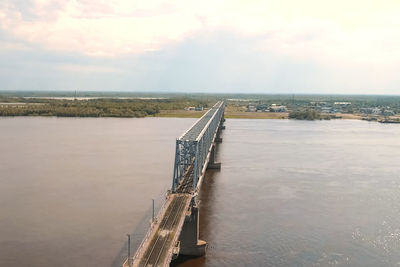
(93, 27)
(353, 43)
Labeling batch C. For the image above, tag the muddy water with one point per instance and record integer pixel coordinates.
(295, 193)
(71, 189)
(290, 193)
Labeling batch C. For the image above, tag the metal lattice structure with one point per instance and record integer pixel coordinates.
(175, 230)
(194, 146)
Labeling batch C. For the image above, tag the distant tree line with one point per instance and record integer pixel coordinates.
(103, 107)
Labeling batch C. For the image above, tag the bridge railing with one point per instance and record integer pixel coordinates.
(204, 141)
(149, 231)
(194, 145)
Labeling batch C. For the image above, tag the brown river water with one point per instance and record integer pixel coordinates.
(290, 193)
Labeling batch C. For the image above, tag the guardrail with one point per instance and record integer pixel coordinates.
(149, 232)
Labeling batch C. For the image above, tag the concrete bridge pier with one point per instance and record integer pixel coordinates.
(190, 245)
(221, 127)
(212, 165)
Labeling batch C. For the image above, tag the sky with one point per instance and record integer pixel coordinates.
(217, 46)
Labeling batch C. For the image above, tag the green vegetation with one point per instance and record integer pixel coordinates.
(102, 107)
(294, 102)
(131, 104)
(307, 114)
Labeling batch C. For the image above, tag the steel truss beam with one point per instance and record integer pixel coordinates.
(194, 146)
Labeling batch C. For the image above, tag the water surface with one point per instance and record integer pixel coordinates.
(300, 193)
(290, 193)
(71, 189)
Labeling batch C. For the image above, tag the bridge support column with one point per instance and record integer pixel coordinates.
(221, 127)
(190, 245)
(212, 165)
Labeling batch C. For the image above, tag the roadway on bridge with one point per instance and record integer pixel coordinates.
(157, 252)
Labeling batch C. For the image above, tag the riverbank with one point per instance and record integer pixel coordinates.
(100, 107)
(235, 114)
(228, 114)
(152, 107)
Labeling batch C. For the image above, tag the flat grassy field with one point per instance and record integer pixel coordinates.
(180, 114)
(255, 115)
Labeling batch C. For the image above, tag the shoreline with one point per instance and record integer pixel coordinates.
(235, 115)
(246, 115)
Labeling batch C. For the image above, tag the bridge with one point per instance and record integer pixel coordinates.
(175, 230)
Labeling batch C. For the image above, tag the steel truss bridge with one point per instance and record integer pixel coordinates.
(175, 231)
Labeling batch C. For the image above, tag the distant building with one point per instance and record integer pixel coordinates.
(319, 104)
(262, 107)
(342, 103)
(190, 108)
(366, 110)
(388, 112)
(327, 110)
(374, 111)
(251, 108)
(276, 108)
(199, 108)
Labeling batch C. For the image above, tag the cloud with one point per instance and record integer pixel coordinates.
(97, 27)
(111, 28)
(217, 61)
(255, 46)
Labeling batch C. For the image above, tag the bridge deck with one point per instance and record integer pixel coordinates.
(157, 248)
(196, 129)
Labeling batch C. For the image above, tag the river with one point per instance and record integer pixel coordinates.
(290, 193)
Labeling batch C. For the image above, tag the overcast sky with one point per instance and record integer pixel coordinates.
(285, 46)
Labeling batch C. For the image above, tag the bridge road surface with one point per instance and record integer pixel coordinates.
(162, 241)
(173, 216)
(157, 252)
